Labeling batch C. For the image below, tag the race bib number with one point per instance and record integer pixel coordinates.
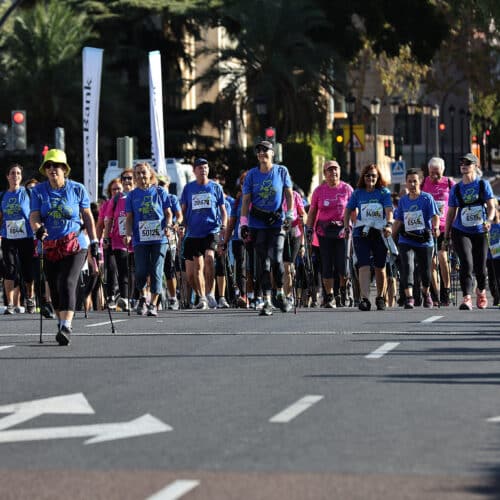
(495, 250)
(201, 200)
(472, 216)
(16, 229)
(122, 225)
(372, 212)
(150, 230)
(414, 221)
(440, 205)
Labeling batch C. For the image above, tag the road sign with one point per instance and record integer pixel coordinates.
(74, 404)
(358, 132)
(398, 172)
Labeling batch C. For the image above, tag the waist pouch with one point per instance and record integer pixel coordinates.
(266, 216)
(419, 238)
(330, 229)
(55, 250)
(370, 233)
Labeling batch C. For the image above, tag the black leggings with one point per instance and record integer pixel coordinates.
(125, 266)
(408, 254)
(269, 247)
(470, 260)
(18, 259)
(332, 251)
(63, 278)
(239, 259)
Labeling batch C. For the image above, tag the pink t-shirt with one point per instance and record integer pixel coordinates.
(440, 191)
(330, 203)
(298, 207)
(119, 217)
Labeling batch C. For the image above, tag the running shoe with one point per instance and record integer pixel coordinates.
(152, 310)
(409, 303)
(48, 310)
(428, 302)
(10, 309)
(445, 297)
(173, 304)
(30, 306)
(142, 308)
(242, 302)
(481, 300)
(466, 305)
(330, 302)
(212, 303)
(202, 304)
(223, 303)
(364, 304)
(283, 303)
(111, 303)
(63, 336)
(258, 304)
(380, 303)
(267, 309)
(19, 309)
(122, 303)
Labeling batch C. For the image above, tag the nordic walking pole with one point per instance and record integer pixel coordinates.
(41, 286)
(129, 280)
(101, 285)
(438, 270)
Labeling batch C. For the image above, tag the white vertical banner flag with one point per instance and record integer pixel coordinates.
(91, 84)
(156, 113)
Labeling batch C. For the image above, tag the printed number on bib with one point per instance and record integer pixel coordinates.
(372, 212)
(122, 225)
(440, 205)
(201, 200)
(150, 230)
(472, 216)
(16, 229)
(414, 221)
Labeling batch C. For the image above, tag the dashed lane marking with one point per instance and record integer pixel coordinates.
(2, 347)
(175, 490)
(105, 323)
(295, 409)
(431, 319)
(382, 350)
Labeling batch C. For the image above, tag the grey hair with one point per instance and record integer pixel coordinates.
(436, 160)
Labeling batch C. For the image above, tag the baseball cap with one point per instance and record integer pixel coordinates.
(264, 144)
(200, 161)
(471, 157)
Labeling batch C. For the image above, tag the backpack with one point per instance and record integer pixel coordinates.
(479, 201)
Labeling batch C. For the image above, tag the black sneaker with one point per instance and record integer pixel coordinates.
(380, 302)
(30, 306)
(111, 303)
(364, 304)
(283, 303)
(152, 310)
(142, 308)
(409, 303)
(48, 310)
(10, 309)
(329, 302)
(445, 297)
(267, 309)
(63, 336)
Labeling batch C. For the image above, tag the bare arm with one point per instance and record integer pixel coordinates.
(450, 217)
(245, 204)
(88, 222)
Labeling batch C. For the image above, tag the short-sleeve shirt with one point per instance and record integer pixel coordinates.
(115, 211)
(416, 217)
(266, 190)
(60, 208)
(370, 205)
(440, 191)
(15, 208)
(202, 202)
(148, 207)
(470, 219)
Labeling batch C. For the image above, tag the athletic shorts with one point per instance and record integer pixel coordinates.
(196, 247)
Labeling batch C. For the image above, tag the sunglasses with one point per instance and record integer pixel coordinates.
(371, 176)
(465, 162)
(127, 178)
(53, 165)
(261, 150)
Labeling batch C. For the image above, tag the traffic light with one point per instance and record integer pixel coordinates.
(339, 136)
(19, 141)
(387, 147)
(4, 136)
(442, 127)
(398, 145)
(271, 135)
(45, 150)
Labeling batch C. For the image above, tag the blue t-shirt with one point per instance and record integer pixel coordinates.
(494, 248)
(266, 190)
(60, 209)
(175, 205)
(470, 219)
(236, 212)
(148, 206)
(370, 206)
(15, 208)
(416, 217)
(202, 202)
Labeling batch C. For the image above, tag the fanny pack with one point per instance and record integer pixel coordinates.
(266, 216)
(419, 238)
(55, 250)
(330, 229)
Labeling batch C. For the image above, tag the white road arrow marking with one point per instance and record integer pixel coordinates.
(295, 409)
(5, 347)
(146, 424)
(21, 412)
(175, 490)
(431, 319)
(382, 350)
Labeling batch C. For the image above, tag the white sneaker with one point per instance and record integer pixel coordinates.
(212, 303)
(223, 303)
(202, 304)
(173, 304)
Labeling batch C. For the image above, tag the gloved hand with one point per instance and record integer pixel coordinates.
(41, 233)
(288, 220)
(94, 250)
(309, 233)
(244, 233)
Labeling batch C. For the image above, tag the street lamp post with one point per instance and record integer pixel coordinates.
(375, 111)
(462, 119)
(351, 108)
(452, 110)
(394, 107)
(411, 108)
(261, 110)
(435, 115)
(468, 132)
(426, 108)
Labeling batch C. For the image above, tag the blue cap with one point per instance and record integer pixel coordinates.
(200, 161)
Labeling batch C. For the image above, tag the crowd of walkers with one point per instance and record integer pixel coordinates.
(144, 249)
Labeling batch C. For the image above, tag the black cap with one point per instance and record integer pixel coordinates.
(264, 144)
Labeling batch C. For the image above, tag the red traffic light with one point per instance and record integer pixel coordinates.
(18, 117)
(488, 131)
(442, 127)
(474, 138)
(270, 133)
(45, 150)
